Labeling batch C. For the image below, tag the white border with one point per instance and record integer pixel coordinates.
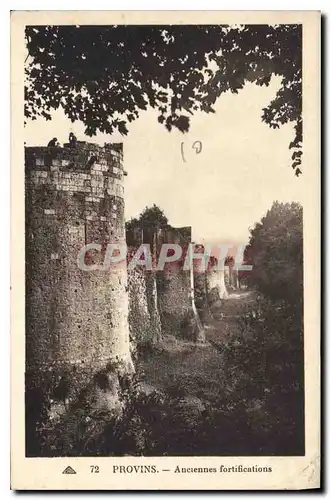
(4, 194)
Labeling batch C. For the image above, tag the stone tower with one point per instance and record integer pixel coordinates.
(76, 320)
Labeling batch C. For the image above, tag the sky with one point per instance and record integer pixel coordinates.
(221, 192)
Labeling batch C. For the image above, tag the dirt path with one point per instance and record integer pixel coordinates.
(227, 314)
(196, 370)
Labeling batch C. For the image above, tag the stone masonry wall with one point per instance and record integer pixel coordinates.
(169, 292)
(76, 320)
(174, 284)
(216, 288)
(175, 303)
(144, 318)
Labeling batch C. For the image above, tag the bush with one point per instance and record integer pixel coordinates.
(265, 364)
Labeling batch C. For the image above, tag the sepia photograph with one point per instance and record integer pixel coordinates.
(165, 194)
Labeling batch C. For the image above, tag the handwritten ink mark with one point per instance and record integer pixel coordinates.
(182, 150)
(197, 145)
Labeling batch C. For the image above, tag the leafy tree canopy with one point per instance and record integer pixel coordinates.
(152, 217)
(276, 252)
(105, 76)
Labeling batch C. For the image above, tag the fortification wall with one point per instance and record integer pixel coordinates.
(144, 318)
(175, 302)
(209, 284)
(169, 292)
(216, 288)
(76, 320)
(174, 285)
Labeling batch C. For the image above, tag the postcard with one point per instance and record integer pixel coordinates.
(165, 275)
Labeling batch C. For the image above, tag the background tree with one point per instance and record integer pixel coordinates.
(105, 76)
(150, 218)
(153, 217)
(276, 252)
(132, 223)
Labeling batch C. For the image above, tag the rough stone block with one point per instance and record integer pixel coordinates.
(92, 198)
